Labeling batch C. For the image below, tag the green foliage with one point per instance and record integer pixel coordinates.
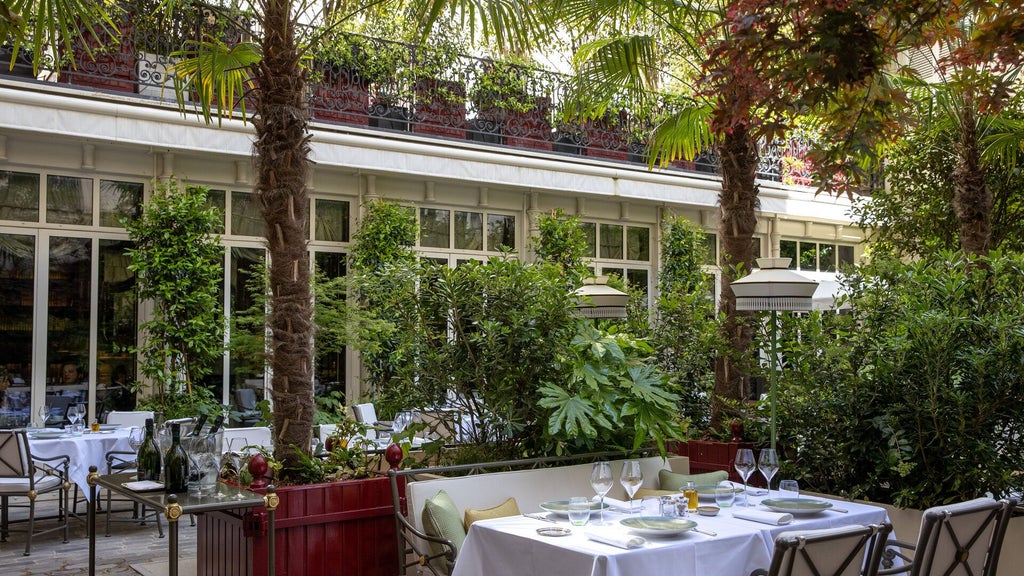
(347, 456)
(563, 242)
(178, 262)
(609, 394)
(685, 334)
(914, 213)
(918, 389)
(503, 85)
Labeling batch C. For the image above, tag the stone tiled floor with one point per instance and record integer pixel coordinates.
(128, 544)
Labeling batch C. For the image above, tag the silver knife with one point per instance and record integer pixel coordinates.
(707, 532)
(843, 510)
(539, 517)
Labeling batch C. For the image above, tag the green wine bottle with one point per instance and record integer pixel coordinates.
(176, 463)
(198, 428)
(148, 459)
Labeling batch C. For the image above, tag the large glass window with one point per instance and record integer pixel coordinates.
(119, 200)
(638, 243)
(434, 228)
(332, 220)
(19, 196)
(816, 256)
(501, 232)
(590, 236)
(711, 249)
(67, 336)
(246, 219)
(17, 290)
(611, 241)
(69, 200)
(215, 199)
(469, 230)
(245, 372)
(117, 327)
(330, 365)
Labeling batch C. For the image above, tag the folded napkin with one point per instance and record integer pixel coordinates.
(763, 516)
(616, 504)
(614, 535)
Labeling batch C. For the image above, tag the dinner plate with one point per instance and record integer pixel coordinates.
(554, 531)
(143, 485)
(658, 525)
(48, 435)
(796, 505)
(561, 507)
(110, 426)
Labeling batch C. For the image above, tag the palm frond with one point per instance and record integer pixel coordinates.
(682, 135)
(1004, 143)
(59, 24)
(512, 25)
(218, 76)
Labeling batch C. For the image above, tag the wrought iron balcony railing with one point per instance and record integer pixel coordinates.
(375, 83)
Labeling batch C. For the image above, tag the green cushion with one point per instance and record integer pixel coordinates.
(672, 481)
(503, 510)
(442, 518)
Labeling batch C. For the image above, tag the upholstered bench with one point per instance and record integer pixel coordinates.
(441, 506)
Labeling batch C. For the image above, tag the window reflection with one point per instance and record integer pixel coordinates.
(246, 219)
(611, 241)
(68, 200)
(332, 220)
(17, 289)
(469, 230)
(67, 336)
(119, 200)
(117, 325)
(434, 228)
(19, 196)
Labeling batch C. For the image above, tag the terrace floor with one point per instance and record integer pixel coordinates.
(129, 545)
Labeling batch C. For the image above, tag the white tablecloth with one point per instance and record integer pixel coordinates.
(84, 451)
(512, 547)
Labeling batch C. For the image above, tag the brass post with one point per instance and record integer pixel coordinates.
(270, 502)
(91, 516)
(172, 511)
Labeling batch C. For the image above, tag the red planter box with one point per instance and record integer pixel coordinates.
(709, 456)
(340, 528)
(440, 108)
(341, 97)
(529, 129)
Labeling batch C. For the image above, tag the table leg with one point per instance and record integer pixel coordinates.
(172, 512)
(91, 523)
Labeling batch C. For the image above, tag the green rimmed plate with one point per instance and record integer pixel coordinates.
(708, 491)
(658, 525)
(561, 507)
(796, 505)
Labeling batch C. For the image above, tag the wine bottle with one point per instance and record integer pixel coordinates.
(149, 455)
(176, 463)
(198, 428)
(215, 427)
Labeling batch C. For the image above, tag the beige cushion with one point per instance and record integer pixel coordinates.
(506, 508)
(442, 518)
(672, 481)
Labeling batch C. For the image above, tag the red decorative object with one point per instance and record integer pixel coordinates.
(338, 528)
(393, 455)
(708, 456)
(258, 468)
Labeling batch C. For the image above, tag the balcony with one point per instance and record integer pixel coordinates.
(394, 88)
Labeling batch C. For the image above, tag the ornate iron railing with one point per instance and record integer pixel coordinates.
(362, 81)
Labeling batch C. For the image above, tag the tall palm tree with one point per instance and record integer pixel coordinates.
(964, 98)
(643, 51)
(269, 75)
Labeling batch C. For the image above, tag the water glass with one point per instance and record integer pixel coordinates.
(725, 494)
(579, 510)
(789, 489)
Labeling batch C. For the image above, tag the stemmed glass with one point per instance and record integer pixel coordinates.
(44, 415)
(236, 450)
(631, 478)
(768, 465)
(402, 421)
(73, 416)
(135, 438)
(745, 465)
(601, 480)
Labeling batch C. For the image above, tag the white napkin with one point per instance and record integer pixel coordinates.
(763, 516)
(616, 504)
(615, 536)
(752, 490)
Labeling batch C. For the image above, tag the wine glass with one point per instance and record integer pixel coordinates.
(402, 421)
(745, 465)
(631, 478)
(44, 415)
(768, 465)
(135, 438)
(73, 417)
(601, 480)
(236, 450)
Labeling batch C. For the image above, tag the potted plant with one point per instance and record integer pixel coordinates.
(500, 91)
(340, 522)
(341, 76)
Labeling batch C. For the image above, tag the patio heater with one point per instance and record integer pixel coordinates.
(596, 299)
(774, 287)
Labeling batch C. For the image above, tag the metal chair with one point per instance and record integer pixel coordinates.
(844, 551)
(963, 538)
(123, 461)
(367, 414)
(21, 475)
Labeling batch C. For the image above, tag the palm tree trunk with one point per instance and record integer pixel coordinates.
(737, 219)
(972, 199)
(282, 152)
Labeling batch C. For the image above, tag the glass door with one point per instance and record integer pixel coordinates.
(17, 292)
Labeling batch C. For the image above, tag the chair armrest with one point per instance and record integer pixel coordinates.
(891, 552)
(53, 464)
(424, 558)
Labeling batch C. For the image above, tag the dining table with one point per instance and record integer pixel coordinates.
(725, 545)
(88, 449)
